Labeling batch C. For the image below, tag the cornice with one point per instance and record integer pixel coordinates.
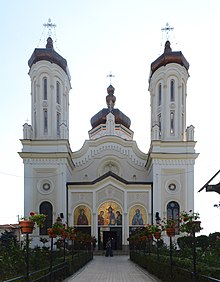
(94, 148)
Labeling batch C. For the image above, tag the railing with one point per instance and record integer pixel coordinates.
(58, 272)
(161, 269)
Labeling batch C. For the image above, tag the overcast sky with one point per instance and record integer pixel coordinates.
(124, 37)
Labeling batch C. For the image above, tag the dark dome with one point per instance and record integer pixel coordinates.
(100, 118)
(169, 57)
(48, 54)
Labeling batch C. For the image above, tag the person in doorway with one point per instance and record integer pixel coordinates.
(109, 248)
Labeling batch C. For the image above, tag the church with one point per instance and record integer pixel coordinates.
(108, 187)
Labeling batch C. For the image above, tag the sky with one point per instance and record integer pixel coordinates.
(97, 37)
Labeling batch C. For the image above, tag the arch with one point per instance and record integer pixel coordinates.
(137, 215)
(45, 88)
(110, 214)
(173, 211)
(172, 90)
(82, 216)
(110, 164)
(159, 94)
(46, 208)
(58, 89)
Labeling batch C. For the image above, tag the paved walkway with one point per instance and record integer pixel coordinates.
(111, 269)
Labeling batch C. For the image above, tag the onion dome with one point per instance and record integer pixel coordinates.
(100, 117)
(48, 54)
(169, 57)
(110, 98)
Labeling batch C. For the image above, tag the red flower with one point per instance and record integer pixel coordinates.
(32, 213)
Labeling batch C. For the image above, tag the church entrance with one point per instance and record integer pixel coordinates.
(110, 225)
(115, 233)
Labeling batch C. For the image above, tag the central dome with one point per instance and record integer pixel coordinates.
(100, 117)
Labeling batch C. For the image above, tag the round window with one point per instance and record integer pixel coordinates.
(172, 187)
(46, 186)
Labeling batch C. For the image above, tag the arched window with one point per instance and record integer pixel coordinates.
(172, 90)
(46, 208)
(45, 116)
(183, 98)
(172, 122)
(159, 123)
(45, 88)
(173, 210)
(58, 123)
(159, 94)
(58, 92)
(35, 91)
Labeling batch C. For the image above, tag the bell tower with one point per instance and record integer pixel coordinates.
(50, 86)
(46, 151)
(172, 153)
(168, 88)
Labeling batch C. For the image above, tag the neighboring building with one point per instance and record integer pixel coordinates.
(14, 228)
(109, 186)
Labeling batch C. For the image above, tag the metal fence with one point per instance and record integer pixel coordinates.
(58, 272)
(165, 271)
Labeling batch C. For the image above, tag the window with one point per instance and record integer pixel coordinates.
(58, 92)
(45, 88)
(58, 124)
(183, 94)
(45, 121)
(34, 91)
(46, 208)
(172, 90)
(173, 210)
(172, 122)
(35, 123)
(159, 123)
(183, 124)
(159, 94)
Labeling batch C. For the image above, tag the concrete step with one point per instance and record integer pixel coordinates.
(115, 252)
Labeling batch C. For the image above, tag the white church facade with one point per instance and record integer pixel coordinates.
(109, 186)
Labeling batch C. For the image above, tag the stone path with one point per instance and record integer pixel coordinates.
(111, 269)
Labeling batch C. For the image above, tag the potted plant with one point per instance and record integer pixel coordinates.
(156, 230)
(57, 229)
(169, 225)
(189, 222)
(27, 224)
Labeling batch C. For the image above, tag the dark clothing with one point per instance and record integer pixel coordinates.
(109, 249)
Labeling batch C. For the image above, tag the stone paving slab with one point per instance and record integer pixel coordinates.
(111, 269)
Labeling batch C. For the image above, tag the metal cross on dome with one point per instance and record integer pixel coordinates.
(110, 75)
(167, 29)
(49, 25)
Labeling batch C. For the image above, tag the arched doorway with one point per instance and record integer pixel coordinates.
(110, 222)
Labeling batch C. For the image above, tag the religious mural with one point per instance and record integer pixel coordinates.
(109, 214)
(137, 215)
(82, 215)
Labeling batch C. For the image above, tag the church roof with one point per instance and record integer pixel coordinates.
(109, 174)
(120, 117)
(48, 54)
(169, 57)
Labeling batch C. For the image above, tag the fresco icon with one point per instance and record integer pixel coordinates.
(137, 215)
(109, 214)
(82, 215)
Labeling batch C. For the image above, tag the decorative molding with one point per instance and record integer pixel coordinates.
(107, 147)
(173, 162)
(45, 161)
